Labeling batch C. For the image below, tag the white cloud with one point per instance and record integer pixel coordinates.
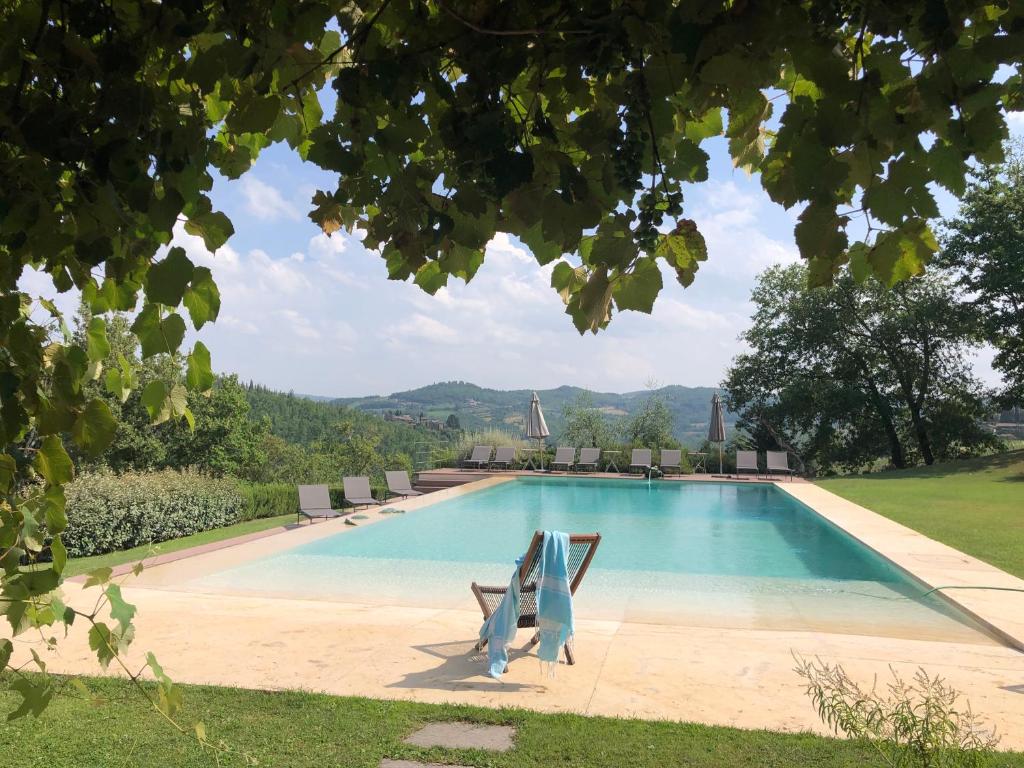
(265, 201)
(421, 327)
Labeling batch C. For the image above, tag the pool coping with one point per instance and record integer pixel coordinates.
(925, 560)
(928, 561)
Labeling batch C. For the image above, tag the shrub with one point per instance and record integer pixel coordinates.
(269, 500)
(108, 512)
(911, 725)
(496, 437)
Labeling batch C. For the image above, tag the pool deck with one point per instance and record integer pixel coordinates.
(721, 676)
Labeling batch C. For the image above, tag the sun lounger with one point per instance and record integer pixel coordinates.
(357, 491)
(564, 458)
(581, 551)
(505, 455)
(399, 485)
(480, 457)
(641, 460)
(746, 461)
(671, 460)
(778, 461)
(588, 459)
(315, 501)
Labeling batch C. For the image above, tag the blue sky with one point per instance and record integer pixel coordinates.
(315, 314)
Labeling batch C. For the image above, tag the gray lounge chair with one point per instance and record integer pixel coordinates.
(778, 461)
(746, 461)
(357, 491)
(564, 458)
(480, 457)
(505, 455)
(398, 484)
(641, 459)
(315, 501)
(671, 459)
(588, 459)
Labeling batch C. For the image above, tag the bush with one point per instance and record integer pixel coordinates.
(269, 500)
(108, 512)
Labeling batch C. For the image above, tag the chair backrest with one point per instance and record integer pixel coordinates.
(641, 457)
(357, 487)
(581, 551)
(746, 459)
(778, 460)
(589, 455)
(671, 457)
(505, 454)
(481, 453)
(565, 456)
(398, 480)
(314, 497)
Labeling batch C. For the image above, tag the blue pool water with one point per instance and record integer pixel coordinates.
(719, 554)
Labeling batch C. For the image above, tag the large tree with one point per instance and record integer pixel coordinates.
(847, 374)
(984, 243)
(571, 125)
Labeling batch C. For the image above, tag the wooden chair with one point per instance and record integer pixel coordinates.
(581, 551)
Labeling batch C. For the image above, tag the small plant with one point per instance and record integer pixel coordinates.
(909, 724)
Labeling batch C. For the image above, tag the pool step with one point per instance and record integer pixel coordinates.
(439, 479)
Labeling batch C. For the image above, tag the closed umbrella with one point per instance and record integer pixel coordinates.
(716, 432)
(536, 427)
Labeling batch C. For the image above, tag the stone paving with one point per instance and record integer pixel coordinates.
(497, 738)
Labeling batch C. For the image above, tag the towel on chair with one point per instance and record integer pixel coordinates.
(554, 609)
(554, 599)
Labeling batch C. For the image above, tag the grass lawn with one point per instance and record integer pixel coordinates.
(975, 505)
(294, 730)
(79, 565)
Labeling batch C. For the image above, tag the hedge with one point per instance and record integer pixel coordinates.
(269, 499)
(108, 512)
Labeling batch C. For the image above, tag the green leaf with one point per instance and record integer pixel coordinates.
(255, 115)
(121, 382)
(120, 611)
(710, 124)
(8, 469)
(683, 248)
(59, 554)
(6, 649)
(202, 298)
(35, 697)
(157, 334)
(97, 576)
(166, 280)
(94, 428)
(104, 643)
(97, 345)
(638, 289)
(200, 373)
(53, 462)
(154, 398)
(213, 226)
(903, 252)
(820, 233)
(430, 277)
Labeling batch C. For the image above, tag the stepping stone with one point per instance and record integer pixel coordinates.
(496, 738)
(385, 763)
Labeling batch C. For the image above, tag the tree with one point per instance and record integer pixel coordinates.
(452, 423)
(583, 424)
(650, 425)
(570, 125)
(984, 244)
(842, 375)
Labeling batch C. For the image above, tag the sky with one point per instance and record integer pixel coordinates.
(314, 314)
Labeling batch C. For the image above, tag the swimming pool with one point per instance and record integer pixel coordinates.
(701, 553)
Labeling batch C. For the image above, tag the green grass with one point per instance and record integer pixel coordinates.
(79, 565)
(974, 505)
(294, 730)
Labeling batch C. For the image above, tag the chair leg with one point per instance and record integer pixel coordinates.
(535, 639)
(568, 655)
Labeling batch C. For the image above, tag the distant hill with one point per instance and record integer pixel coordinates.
(478, 407)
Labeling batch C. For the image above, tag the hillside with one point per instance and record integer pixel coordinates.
(478, 407)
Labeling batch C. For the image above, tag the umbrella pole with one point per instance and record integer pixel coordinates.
(719, 458)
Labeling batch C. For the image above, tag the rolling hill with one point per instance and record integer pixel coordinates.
(478, 407)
